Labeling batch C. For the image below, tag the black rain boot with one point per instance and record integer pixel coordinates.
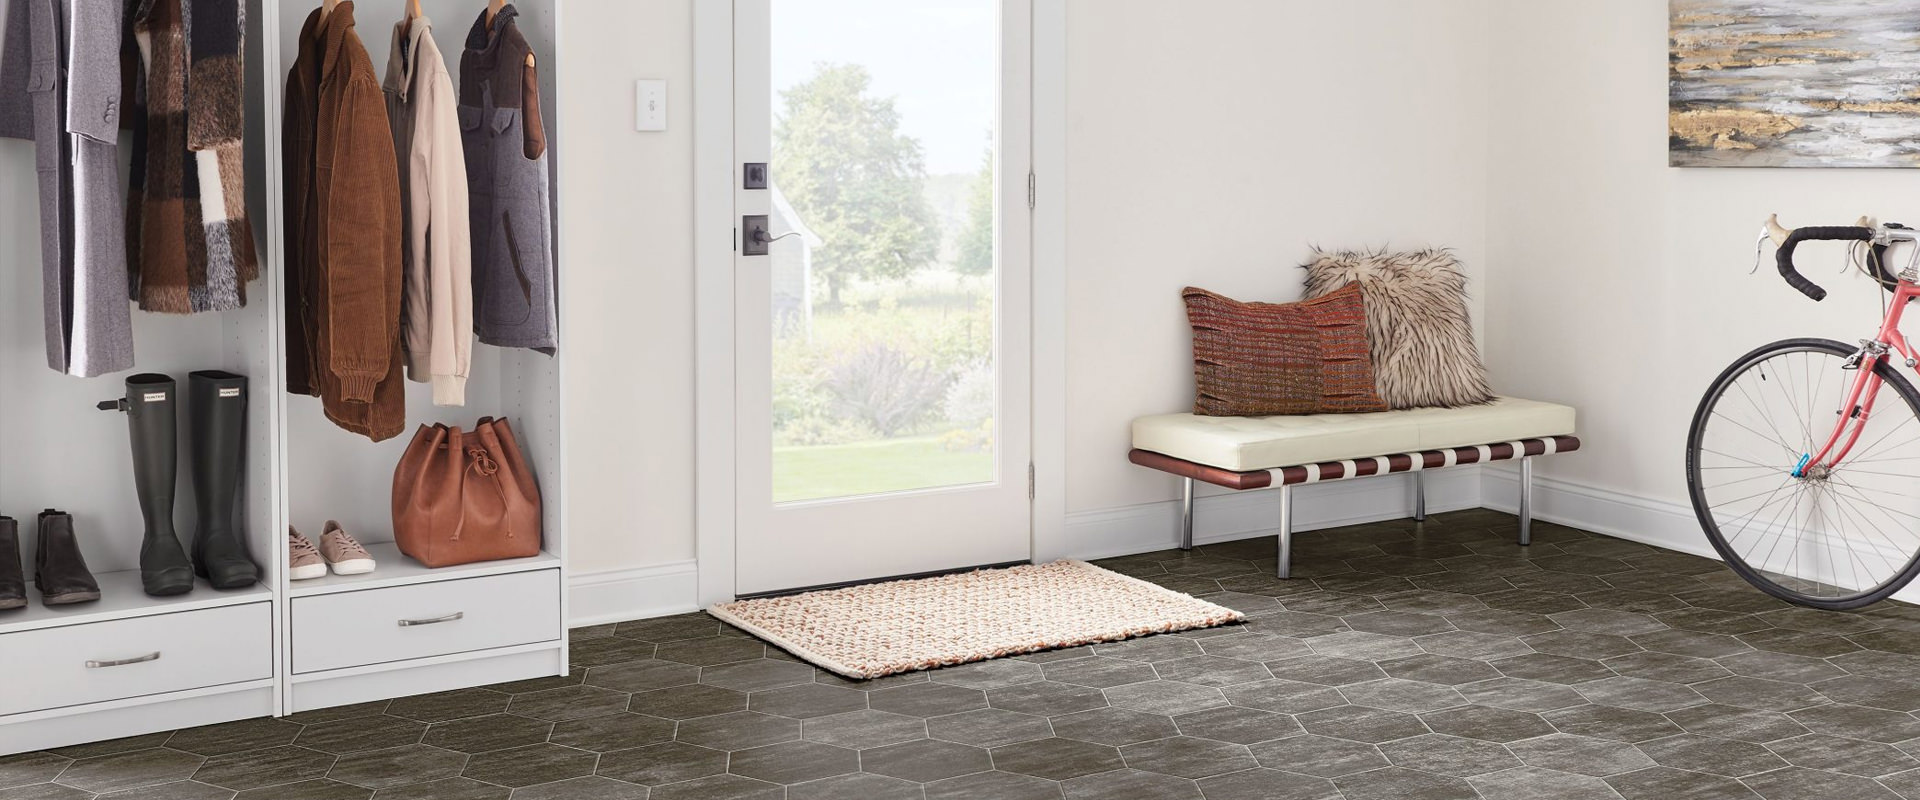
(59, 571)
(13, 583)
(217, 427)
(164, 570)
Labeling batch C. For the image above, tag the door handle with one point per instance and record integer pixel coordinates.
(757, 237)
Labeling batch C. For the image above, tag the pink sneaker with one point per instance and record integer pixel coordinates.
(343, 551)
(303, 560)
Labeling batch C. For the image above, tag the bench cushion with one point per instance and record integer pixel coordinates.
(1244, 444)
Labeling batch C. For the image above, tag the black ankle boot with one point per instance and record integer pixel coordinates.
(59, 571)
(217, 427)
(164, 569)
(13, 583)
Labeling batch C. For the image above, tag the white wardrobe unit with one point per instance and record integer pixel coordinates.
(279, 647)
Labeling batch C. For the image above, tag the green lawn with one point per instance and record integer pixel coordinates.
(892, 465)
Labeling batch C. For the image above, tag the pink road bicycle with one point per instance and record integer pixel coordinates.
(1803, 461)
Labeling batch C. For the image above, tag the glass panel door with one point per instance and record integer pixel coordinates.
(882, 335)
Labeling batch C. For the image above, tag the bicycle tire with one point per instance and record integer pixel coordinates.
(1695, 489)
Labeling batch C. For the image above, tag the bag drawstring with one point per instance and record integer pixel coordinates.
(484, 464)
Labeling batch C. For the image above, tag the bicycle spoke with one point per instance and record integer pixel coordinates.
(1737, 458)
(1777, 435)
(1882, 534)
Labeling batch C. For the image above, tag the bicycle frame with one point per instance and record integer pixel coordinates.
(1867, 383)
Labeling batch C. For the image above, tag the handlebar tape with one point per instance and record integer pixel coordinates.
(1847, 233)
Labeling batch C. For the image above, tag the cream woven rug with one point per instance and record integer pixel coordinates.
(883, 628)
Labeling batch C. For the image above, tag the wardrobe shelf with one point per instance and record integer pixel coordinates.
(120, 598)
(395, 569)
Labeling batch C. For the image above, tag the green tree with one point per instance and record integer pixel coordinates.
(975, 256)
(841, 161)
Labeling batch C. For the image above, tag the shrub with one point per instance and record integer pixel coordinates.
(885, 387)
(970, 399)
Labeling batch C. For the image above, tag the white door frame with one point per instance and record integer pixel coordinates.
(713, 280)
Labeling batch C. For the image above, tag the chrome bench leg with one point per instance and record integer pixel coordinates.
(1286, 531)
(1186, 514)
(1419, 497)
(1526, 500)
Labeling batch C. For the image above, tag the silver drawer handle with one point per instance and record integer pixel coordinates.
(153, 656)
(408, 623)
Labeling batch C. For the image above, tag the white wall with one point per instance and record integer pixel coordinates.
(1212, 144)
(1208, 145)
(1620, 285)
(627, 230)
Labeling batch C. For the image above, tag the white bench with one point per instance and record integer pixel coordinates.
(1259, 452)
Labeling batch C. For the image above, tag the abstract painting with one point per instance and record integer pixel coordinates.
(1793, 83)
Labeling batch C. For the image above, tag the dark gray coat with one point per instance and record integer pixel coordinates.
(69, 77)
(511, 218)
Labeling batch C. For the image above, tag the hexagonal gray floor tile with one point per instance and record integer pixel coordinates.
(1056, 759)
(993, 786)
(621, 731)
(129, 770)
(1583, 755)
(414, 763)
(1131, 784)
(927, 699)
(807, 700)
(688, 702)
(860, 785)
(641, 676)
(659, 764)
(989, 727)
(533, 764)
(925, 760)
(794, 762)
(738, 731)
(863, 729)
(1188, 757)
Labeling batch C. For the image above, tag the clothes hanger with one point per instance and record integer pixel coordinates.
(413, 13)
(493, 9)
(326, 9)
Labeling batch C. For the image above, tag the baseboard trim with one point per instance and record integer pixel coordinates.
(1660, 523)
(1121, 531)
(619, 595)
(627, 594)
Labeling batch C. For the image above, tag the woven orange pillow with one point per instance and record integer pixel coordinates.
(1263, 359)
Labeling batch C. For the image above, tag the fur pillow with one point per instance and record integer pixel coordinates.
(1417, 325)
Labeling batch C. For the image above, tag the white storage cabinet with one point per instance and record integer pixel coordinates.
(131, 664)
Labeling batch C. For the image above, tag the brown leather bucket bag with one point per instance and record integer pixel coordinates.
(465, 497)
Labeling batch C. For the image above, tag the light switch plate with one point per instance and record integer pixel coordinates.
(649, 105)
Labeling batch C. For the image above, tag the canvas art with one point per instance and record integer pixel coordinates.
(1794, 83)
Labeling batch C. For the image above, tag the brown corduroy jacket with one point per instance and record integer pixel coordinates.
(344, 231)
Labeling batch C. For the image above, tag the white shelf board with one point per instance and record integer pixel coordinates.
(395, 569)
(120, 598)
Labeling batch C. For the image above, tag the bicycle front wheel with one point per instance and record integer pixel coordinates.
(1834, 537)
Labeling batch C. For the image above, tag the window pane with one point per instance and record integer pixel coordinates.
(883, 301)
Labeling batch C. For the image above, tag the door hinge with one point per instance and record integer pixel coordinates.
(1033, 189)
(1029, 480)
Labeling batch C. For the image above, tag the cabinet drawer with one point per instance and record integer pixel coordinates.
(372, 626)
(100, 661)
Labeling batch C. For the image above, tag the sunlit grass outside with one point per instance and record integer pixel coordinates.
(874, 467)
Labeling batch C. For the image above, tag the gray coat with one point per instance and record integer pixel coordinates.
(71, 84)
(509, 216)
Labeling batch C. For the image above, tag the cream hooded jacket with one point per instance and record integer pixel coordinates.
(437, 311)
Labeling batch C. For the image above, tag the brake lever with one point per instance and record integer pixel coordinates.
(1759, 248)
